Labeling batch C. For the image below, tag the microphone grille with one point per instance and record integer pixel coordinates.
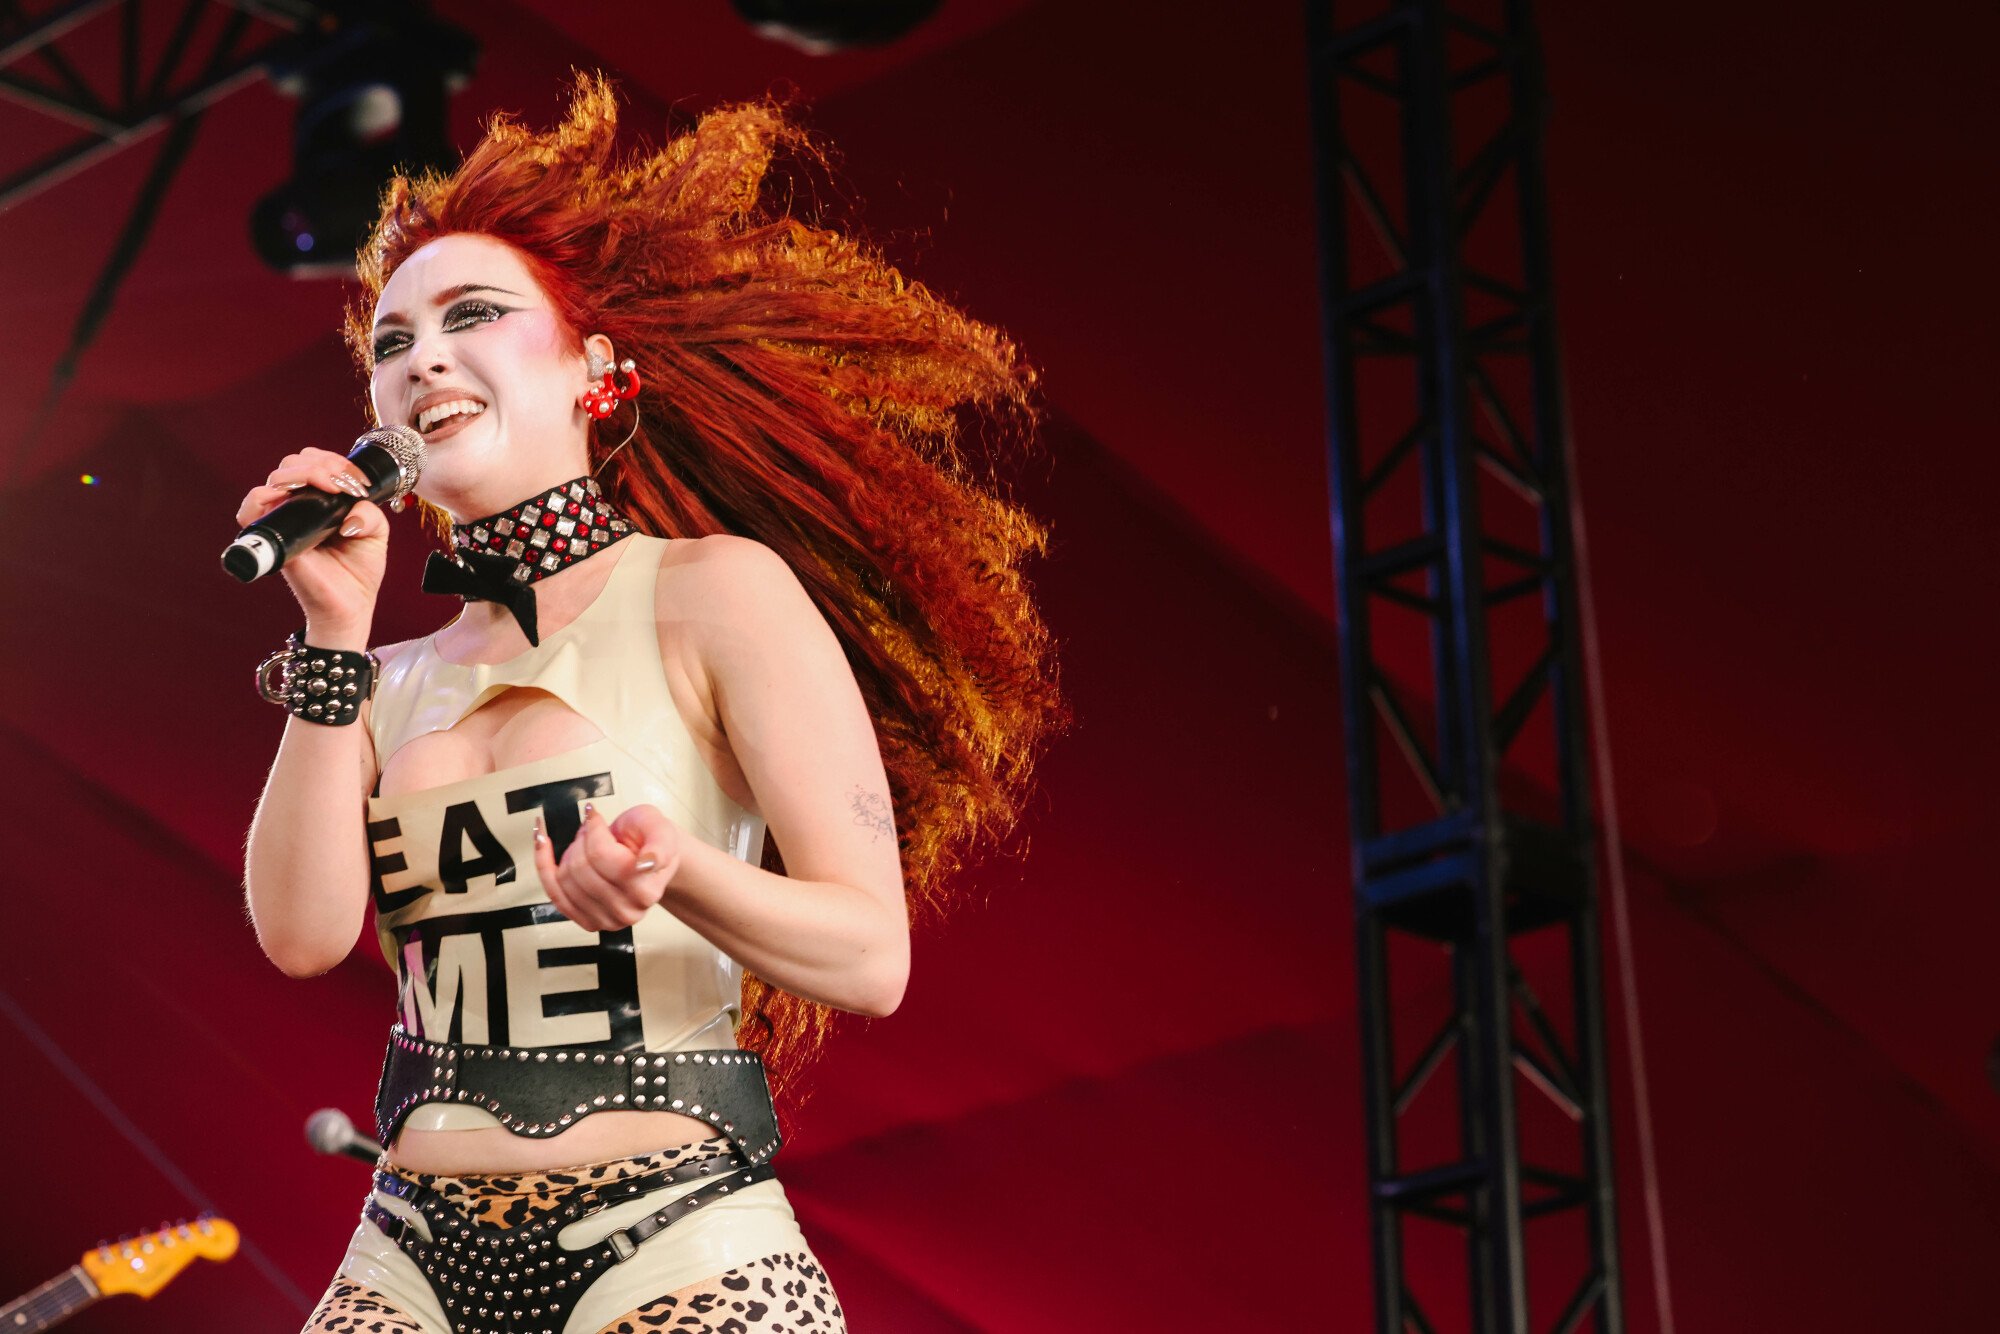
(403, 445)
(328, 1130)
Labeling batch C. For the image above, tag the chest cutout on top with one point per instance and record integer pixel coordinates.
(512, 726)
(472, 755)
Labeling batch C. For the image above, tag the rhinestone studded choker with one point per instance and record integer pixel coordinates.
(499, 558)
(551, 532)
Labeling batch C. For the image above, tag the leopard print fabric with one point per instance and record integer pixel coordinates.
(781, 1294)
(786, 1293)
(349, 1308)
(778, 1294)
(517, 1198)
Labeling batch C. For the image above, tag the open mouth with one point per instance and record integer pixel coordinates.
(441, 418)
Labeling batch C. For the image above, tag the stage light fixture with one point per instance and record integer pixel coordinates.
(823, 26)
(372, 91)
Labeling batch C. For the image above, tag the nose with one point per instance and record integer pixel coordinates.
(427, 358)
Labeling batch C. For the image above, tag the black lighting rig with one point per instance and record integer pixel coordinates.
(1461, 663)
(371, 78)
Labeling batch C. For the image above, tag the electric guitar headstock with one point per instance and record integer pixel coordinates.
(141, 1266)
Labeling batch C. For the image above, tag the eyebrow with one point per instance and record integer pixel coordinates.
(444, 298)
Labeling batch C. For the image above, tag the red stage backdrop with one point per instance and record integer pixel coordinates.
(1776, 307)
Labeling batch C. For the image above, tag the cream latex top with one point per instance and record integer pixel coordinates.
(480, 953)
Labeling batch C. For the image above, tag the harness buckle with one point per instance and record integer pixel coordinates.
(622, 1246)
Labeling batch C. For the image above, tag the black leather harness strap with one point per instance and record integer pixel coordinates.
(521, 1279)
(542, 1091)
(625, 1242)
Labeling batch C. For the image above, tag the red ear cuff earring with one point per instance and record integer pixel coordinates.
(601, 398)
(605, 395)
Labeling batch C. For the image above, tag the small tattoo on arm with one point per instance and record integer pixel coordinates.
(871, 811)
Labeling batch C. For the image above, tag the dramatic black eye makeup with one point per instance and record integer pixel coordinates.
(468, 313)
(464, 315)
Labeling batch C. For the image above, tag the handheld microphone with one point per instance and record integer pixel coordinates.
(329, 1131)
(390, 457)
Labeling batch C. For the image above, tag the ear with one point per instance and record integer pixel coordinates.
(597, 350)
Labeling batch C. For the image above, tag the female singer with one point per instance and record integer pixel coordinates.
(726, 570)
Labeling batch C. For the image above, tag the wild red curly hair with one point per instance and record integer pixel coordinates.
(799, 391)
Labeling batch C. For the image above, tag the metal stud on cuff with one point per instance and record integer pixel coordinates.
(320, 685)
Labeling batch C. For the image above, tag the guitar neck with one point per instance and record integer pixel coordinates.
(49, 1305)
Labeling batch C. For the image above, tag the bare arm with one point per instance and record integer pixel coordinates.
(305, 865)
(829, 941)
(835, 929)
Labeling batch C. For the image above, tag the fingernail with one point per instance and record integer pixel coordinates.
(540, 837)
(646, 864)
(588, 810)
(293, 486)
(350, 530)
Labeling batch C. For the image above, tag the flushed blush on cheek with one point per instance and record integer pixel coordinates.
(545, 336)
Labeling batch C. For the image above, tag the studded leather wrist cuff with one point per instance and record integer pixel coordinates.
(320, 685)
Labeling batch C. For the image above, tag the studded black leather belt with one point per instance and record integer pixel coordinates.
(542, 1091)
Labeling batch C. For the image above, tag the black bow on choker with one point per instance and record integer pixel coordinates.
(501, 557)
(480, 574)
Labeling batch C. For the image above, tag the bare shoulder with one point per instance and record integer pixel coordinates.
(726, 604)
(724, 563)
(723, 583)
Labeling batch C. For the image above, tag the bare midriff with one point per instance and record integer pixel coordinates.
(594, 1139)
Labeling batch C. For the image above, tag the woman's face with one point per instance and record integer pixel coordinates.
(462, 322)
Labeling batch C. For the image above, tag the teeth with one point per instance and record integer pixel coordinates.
(437, 412)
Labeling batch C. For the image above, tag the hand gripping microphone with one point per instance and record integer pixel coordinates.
(390, 457)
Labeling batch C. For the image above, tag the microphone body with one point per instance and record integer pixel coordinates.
(390, 457)
(329, 1131)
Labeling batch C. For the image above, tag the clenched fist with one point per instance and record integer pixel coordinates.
(611, 873)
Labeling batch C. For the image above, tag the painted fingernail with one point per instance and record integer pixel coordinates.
(588, 810)
(350, 530)
(293, 486)
(540, 837)
(646, 864)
